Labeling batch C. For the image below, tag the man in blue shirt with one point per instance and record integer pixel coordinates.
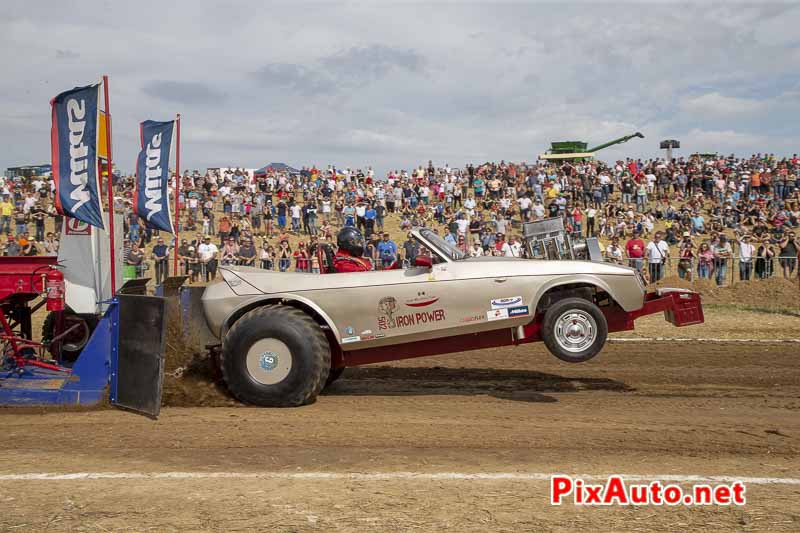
(387, 252)
(369, 219)
(161, 259)
(698, 223)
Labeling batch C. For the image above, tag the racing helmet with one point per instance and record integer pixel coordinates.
(350, 239)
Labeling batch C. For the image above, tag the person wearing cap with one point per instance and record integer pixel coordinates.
(12, 248)
(247, 252)
(160, 257)
(476, 250)
(208, 254)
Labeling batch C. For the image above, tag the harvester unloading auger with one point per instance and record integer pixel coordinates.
(578, 151)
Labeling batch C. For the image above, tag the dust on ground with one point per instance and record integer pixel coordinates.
(191, 375)
(708, 409)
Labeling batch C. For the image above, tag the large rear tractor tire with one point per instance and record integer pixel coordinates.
(275, 356)
(75, 341)
(574, 330)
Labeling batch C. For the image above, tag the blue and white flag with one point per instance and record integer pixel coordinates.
(73, 144)
(151, 197)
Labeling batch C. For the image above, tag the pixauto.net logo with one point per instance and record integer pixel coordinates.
(615, 491)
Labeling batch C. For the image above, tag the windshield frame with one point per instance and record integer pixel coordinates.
(438, 245)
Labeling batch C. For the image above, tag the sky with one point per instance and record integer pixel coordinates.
(394, 84)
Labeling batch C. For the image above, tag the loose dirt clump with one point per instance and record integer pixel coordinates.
(191, 377)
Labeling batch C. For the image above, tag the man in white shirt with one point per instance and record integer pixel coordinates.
(476, 250)
(538, 210)
(361, 210)
(208, 252)
(746, 253)
(296, 212)
(469, 205)
(657, 252)
(525, 204)
(515, 248)
(463, 224)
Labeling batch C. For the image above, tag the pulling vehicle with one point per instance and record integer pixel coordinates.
(284, 336)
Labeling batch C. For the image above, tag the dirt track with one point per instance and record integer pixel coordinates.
(667, 409)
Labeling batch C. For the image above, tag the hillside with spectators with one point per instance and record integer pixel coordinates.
(726, 219)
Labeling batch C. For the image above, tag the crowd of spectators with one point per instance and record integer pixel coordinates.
(701, 217)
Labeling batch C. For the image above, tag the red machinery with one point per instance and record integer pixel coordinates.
(22, 280)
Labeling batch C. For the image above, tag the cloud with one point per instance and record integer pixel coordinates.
(67, 54)
(186, 92)
(723, 141)
(394, 84)
(296, 78)
(373, 62)
(347, 69)
(717, 104)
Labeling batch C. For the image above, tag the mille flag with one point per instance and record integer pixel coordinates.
(73, 144)
(151, 197)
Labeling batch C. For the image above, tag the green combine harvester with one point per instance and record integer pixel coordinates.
(577, 151)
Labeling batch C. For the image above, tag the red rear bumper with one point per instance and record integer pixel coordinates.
(681, 308)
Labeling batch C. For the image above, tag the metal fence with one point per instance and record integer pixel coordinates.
(725, 272)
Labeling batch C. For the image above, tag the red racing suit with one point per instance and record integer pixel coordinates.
(344, 262)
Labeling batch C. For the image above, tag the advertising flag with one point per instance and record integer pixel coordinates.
(73, 144)
(151, 197)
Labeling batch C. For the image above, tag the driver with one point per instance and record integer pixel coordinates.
(351, 248)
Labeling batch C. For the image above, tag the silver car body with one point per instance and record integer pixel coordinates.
(453, 297)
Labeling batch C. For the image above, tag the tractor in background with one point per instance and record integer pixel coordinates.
(578, 151)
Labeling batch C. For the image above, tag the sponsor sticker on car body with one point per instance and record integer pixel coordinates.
(496, 314)
(518, 311)
(503, 303)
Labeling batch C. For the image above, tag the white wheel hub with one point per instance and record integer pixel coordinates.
(269, 361)
(575, 330)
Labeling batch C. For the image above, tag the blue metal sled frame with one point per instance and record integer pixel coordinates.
(86, 384)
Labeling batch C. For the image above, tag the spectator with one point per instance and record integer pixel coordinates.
(208, 256)
(722, 253)
(705, 258)
(135, 257)
(657, 253)
(247, 253)
(284, 255)
(635, 249)
(12, 247)
(410, 250)
(788, 254)
(614, 252)
(764, 259)
(160, 256)
(387, 252)
(746, 254)
(230, 252)
(267, 256)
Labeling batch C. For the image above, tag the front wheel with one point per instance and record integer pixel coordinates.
(574, 330)
(275, 356)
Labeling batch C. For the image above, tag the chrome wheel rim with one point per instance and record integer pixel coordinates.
(575, 330)
(269, 361)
